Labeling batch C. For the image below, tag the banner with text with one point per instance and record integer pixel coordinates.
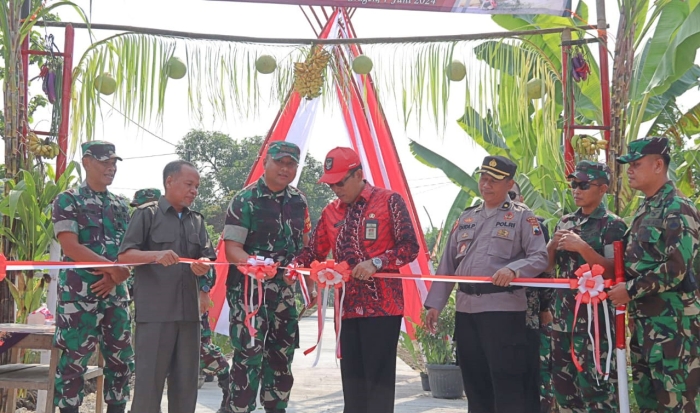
(555, 7)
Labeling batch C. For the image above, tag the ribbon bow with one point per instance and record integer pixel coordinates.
(591, 285)
(329, 275)
(259, 269)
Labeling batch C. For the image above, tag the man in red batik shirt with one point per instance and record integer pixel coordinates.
(370, 229)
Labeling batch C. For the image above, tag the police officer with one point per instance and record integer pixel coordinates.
(502, 239)
(268, 218)
(664, 312)
(89, 222)
(585, 236)
(168, 301)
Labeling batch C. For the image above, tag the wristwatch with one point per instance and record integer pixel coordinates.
(205, 288)
(377, 262)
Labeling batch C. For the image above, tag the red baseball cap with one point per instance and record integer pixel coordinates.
(338, 163)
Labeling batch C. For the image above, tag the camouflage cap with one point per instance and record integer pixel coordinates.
(145, 195)
(590, 171)
(647, 146)
(100, 150)
(280, 149)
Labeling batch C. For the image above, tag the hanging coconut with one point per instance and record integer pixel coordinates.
(535, 88)
(362, 65)
(456, 71)
(265, 64)
(176, 68)
(105, 84)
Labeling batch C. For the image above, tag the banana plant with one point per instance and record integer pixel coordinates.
(28, 205)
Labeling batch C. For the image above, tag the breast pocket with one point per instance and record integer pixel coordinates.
(501, 244)
(194, 246)
(162, 238)
(90, 225)
(649, 237)
(464, 240)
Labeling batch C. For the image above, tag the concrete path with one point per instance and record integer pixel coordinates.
(319, 389)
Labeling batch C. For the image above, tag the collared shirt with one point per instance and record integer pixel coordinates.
(165, 294)
(100, 220)
(268, 224)
(377, 224)
(480, 244)
(662, 243)
(599, 230)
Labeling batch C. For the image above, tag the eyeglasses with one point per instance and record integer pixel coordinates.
(342, 183)
(582, 185)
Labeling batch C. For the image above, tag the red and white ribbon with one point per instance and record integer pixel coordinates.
(591, 286)
(259, 269)
(329, 275)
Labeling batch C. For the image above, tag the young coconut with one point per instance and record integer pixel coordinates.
(105, 84)
(176, 68)
(362, 65)
(265, 64)
(456, 71)
(535, 88)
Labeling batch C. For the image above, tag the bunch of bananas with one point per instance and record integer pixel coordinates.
(587, 146)
(44, 148)
(308, 75)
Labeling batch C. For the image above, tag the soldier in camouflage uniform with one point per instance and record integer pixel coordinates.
(89, 222)
(268, 218)
(141, 197)
(585, 236)
(664, 312)
(211, 361)
(538, 319)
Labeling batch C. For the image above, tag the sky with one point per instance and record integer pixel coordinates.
(431, 190)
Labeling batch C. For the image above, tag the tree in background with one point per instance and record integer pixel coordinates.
(224, 165)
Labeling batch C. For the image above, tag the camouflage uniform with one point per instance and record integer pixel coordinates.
(539, 300)
(577, 391)
(83, 319)
(664, 311)
(211, 361)
(270, 225)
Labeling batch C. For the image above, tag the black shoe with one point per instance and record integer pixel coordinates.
(115, 408)
(72, 409)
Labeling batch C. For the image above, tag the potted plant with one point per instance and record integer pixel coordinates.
(438, 350)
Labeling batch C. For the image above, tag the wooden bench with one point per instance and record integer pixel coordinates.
(16, 375)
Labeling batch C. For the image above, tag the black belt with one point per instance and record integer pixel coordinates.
(480, 289)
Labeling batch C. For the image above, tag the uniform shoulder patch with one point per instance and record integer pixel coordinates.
(673, 222)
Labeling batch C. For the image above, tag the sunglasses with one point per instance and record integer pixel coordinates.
(582, 185)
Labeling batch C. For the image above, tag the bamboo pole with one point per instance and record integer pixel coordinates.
(283, 41)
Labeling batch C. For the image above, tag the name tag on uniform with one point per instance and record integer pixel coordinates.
(371, 226)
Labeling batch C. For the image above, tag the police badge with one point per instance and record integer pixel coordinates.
(328, 164)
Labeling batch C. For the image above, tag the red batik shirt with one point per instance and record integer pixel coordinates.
(377, 224)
